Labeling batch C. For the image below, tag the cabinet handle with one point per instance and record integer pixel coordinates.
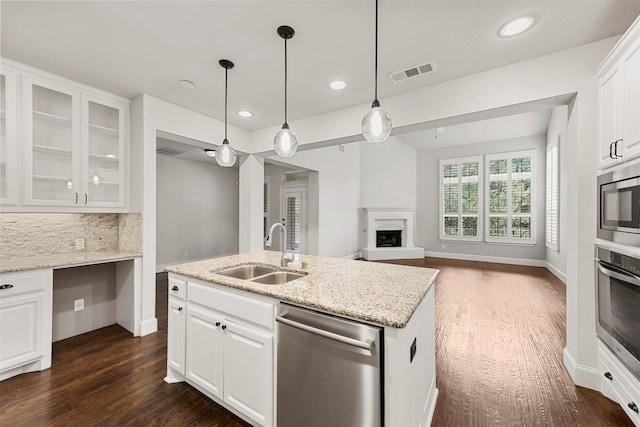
(633, 406)
(6, 286)
(225, 327)
(615, 150)
(611, 150)
(217, 323)
(76, 202)
(86, 198)
(608, 376)
(175, 288)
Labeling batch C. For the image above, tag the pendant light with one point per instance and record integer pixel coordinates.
(285, 142)
(225, 154)
(376, 124)
(95, 178)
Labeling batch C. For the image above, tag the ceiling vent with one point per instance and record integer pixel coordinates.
(168, 151)
(415, 71)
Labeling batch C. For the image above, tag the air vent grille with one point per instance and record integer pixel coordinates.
(168, 151)
(415, 71)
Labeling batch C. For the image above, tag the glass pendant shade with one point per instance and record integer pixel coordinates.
(226, 155)
(285, 142)
(376, 125)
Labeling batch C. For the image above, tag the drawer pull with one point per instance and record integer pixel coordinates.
(6, 286)
(217, 323)
(175, 288)
(608, 376)
(633, 406)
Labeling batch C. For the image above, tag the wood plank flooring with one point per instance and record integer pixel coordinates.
(499, 339)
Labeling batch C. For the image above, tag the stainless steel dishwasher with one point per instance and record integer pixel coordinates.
(329, 370)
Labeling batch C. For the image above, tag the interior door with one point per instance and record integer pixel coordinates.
(293, 213)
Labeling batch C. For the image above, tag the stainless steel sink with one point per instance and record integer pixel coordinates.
(277, 278)
(246, 271)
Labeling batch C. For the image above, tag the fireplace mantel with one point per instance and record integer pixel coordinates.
(390, 219)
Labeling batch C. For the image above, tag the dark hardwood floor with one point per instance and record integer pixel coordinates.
(499, 339)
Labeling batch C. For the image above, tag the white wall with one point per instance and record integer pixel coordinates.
(339, 196)
(428, 196)
(196, 211)
(274, 173)
(557, 259)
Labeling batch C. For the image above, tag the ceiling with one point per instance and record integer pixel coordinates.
(134, 47)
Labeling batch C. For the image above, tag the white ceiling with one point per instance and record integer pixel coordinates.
(134, 47)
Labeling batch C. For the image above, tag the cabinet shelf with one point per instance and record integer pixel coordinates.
(50, 178)
(51, 118)
(104, 130)
(51, 150)
(104, 158)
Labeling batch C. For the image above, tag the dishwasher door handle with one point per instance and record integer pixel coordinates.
(366, 345)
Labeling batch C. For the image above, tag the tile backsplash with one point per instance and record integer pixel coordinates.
(28, 234)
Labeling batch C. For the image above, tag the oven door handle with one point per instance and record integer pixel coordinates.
(628, 278)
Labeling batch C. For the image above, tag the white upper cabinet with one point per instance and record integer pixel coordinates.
(73, 146)
(619, 103)
(8, 138)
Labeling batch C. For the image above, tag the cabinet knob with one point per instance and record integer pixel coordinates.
(608, 376)
(175, 288)
(217, 323)
(179, 308)
(633, 406)
(6, 286)
(225, 327)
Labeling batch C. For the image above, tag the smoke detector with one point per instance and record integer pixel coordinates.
(411, 72)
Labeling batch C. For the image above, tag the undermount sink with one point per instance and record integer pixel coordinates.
(278, 278)
(246, 271)
(260, 273)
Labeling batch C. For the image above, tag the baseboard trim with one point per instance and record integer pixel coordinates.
(554, 270)
(583, 376)
(355, 255)
(148, 326)
(484, 258)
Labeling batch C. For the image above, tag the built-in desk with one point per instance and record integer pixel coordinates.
(26, 300)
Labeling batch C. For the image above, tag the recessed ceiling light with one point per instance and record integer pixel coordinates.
(245, 114)
(517, 26)
(186, 84)
(338, 85)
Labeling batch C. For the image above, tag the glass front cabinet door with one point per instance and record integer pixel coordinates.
(74, 148)
(8, 138)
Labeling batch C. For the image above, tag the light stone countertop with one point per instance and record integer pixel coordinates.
(8, 265)
(385, 294)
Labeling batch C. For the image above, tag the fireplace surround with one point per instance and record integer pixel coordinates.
(387, 222)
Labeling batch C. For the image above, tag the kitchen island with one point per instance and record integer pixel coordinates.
(222, 334)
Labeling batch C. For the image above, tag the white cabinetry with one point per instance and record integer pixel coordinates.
(25, 322)
(177, 325)
(73, 144)
(8, 137)
(618, 384)
(619, 103)
(229, 342)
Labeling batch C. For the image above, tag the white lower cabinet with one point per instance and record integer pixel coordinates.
(25, 322)
(619, 384)
(227, 337)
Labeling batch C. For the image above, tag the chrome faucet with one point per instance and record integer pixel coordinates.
(287, 256)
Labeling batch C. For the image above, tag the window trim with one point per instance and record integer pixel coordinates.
(459, 161)
(511, 240)
(549, 207)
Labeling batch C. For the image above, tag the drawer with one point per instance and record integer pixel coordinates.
(244, 309)
(178, 288)
(624, 387)
(25, 281)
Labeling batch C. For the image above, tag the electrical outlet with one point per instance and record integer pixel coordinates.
(444, 246)
(78, 305)
(79, 243)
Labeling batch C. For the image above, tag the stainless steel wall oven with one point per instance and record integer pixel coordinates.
(618, 304)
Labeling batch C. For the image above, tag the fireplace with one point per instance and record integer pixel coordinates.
(389, 234)
(388, 238)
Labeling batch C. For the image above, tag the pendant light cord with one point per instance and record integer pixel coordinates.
(226, 84)
(376, 67)
(285, 81)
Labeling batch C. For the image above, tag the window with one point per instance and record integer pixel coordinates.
(510, 195)
(552, 211)
(265, 207)
(460, 189)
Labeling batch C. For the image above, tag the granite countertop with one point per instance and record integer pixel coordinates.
(385, 294)
(8, 265)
